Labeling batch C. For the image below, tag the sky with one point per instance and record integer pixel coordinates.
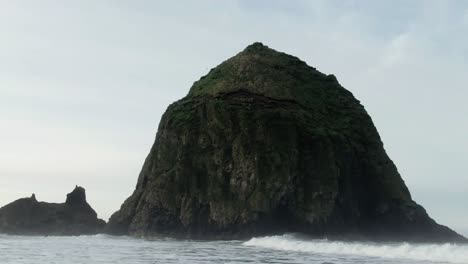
(83, 84)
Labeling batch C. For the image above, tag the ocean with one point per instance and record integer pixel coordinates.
(273, 249)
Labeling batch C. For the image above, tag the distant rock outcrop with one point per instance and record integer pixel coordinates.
(266, 144)
(27, 216)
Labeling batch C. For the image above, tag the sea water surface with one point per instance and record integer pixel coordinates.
(274, 249)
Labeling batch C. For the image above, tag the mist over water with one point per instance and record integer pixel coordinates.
(274, 249)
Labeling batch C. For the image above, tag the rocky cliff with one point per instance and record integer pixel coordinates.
(27, 216)
(265, 144)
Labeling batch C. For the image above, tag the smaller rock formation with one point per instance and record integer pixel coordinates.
(27, 216)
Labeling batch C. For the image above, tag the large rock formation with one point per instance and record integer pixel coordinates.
(27, 216)
(265, 144)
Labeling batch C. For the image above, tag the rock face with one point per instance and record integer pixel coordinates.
(265, 144)
(27, 216)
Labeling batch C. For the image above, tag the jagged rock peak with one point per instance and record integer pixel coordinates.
(27, 216)
(77, 196)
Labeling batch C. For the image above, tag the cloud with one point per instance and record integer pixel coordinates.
(465, 17)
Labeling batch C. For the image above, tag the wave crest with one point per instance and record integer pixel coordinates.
(452, 253)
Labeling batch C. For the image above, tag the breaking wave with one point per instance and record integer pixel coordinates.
(451, 253)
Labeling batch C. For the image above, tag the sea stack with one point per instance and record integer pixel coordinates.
(265, 144)
(27, 216)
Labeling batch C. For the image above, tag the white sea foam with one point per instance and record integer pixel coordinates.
(451, 253)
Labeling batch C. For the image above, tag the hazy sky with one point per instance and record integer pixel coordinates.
(83, 84)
